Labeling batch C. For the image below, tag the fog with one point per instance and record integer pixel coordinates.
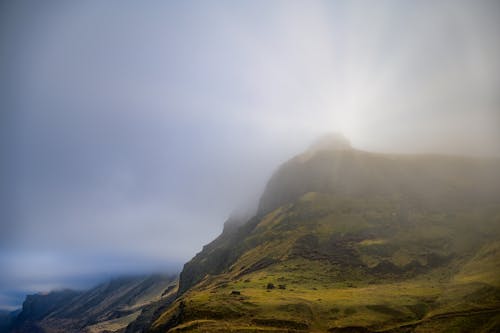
(132, 130)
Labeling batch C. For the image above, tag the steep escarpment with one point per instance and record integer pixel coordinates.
(346, 240)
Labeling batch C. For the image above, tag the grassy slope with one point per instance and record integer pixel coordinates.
(455, 272)
(359, 242)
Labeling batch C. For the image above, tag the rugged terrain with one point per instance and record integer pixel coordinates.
(351, 241)
(343, 241)
(109, 307)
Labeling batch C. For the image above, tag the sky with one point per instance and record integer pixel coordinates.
(131, 130)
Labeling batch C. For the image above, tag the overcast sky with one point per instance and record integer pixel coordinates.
(130, 130)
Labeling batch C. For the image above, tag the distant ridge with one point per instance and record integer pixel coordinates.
(107, 307)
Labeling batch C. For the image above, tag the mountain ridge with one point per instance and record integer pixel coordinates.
(414, 225)
(343, 240)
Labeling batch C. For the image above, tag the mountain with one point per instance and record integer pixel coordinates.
(7, 319)
(352, 241)
(108, 307)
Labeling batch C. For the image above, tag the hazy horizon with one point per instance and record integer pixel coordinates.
(131, 131)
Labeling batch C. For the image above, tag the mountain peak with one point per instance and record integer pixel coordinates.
(331, 141)
(385, 232)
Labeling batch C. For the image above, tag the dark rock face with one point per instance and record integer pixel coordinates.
(217, 256)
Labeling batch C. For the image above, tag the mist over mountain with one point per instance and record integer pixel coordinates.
(133, 133)
(130, 131)
(352, 241)
(343, 240)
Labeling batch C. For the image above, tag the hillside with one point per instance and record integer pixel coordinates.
(110, 306)
(351, 241)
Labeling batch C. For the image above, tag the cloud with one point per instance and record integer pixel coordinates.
(132, 131)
